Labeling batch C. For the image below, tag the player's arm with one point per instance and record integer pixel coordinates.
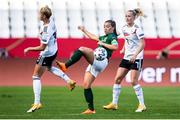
(41, 47)
(87, 33)
(47, 33)
(139, 49)
(112, 46)
(140, 35)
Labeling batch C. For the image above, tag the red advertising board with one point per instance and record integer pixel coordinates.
(67, 46)
(159, 72)
(154, 73)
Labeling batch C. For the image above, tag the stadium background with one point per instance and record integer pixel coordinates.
(20, 27)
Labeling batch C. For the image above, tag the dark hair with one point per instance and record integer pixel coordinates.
(113, 24)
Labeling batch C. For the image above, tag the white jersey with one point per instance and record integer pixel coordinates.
(48, 36)
(132, 36)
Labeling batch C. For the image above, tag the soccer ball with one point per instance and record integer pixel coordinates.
(100, 53)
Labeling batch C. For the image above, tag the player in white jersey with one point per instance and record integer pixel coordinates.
(132, 61)
(48, 48)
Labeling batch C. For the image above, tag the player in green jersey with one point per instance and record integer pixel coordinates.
(97, 59)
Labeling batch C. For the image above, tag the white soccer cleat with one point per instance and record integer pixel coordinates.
(110, 106)
(71, 84)
(141, 108)
(34, 107)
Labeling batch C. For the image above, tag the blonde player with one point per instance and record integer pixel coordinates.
(48, 48)
(132, 61)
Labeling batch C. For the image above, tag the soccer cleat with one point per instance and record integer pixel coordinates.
(141, 108)
(88, 111)
(61, 65)
(111, 106)
(71, 84)
(34, 107)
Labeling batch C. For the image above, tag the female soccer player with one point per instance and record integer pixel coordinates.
(109, 43)
(132, 61)
(48, 48)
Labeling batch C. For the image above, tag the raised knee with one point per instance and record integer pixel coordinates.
(82, 49)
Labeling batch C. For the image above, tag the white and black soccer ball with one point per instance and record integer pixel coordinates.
(100, 53)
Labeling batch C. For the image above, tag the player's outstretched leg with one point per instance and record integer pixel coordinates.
(74, 58)
(71, 83)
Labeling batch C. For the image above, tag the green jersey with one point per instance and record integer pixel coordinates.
(110, 39)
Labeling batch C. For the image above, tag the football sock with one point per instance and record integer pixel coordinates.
(74, 58)
(89, 98)
(139, 93)
(36, 89)
(116, 93)
(59, 73)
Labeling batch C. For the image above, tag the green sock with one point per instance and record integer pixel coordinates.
(74, 58)
(89, 98)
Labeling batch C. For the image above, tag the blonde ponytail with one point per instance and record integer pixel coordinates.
(138, 12)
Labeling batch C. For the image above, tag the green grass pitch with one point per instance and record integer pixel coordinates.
(59, 103)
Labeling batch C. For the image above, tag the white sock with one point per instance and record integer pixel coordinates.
(36, 89)
(116, 93)
(59, 73)
(139, 93)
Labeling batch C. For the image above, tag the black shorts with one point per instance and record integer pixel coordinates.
(46, 61)
(137, 65)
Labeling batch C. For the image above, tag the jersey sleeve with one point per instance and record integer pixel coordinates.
(140, 33)
(114, 42)
(46, 35)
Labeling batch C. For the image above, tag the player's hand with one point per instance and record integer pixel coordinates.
(121, 51)
(26, 51)
(100, 43)
(82, 28)
(133, 58)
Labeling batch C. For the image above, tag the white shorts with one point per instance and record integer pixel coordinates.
(97, 67)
